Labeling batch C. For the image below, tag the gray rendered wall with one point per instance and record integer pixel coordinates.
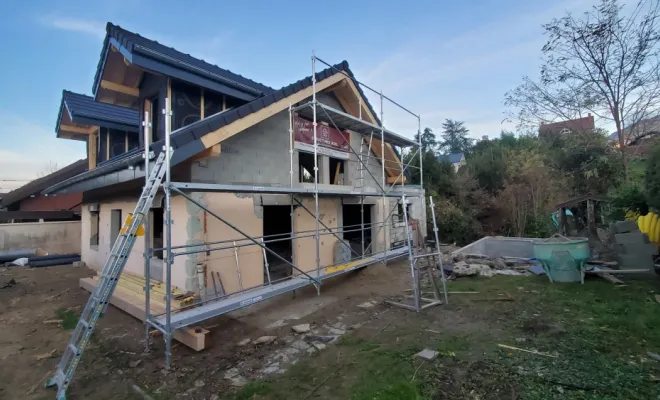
(260, 155)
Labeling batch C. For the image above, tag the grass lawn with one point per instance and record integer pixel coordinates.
(593, 339)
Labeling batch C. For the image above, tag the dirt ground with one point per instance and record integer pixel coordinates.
(34, 336)
(586, 341)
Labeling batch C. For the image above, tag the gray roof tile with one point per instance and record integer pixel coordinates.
(133, 42)
(80, 105)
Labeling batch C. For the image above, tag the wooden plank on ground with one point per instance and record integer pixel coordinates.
(611, 279)
(129, 302)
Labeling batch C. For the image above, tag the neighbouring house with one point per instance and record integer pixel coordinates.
(228, 129)
(578, 125)
(456, 159)
(28, 204)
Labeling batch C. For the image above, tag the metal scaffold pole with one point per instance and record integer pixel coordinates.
(291, 139)
(421, 153)
(362, 222)
(316, 173)
(168, 236)
(147, 239)
(382, 162)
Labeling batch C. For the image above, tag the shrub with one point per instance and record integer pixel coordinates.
(454, 224)
(627, 200)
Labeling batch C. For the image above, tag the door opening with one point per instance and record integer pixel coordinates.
(351, 227)
(277, 229)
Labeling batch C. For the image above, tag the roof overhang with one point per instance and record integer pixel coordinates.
(121, 70)
(77, 124)
(66, 128)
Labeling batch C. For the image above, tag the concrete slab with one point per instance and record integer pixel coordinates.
(428, 354)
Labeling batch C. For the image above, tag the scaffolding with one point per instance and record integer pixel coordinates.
(214, 305)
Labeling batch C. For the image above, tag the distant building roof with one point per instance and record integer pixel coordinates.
(452, 158)
(38, 185)
(584, 124)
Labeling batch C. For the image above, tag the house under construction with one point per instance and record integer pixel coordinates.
(266, 190)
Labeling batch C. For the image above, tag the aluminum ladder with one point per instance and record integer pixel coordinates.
(98, 301)
(419, 302)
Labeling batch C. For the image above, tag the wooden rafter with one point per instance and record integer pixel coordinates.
(78, 129)
(116, 87)
(348, 96)
(240, 125)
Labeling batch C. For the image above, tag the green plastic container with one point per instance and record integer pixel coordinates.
(563, 258)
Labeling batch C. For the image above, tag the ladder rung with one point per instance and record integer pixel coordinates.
(73, 348)
(84, 323)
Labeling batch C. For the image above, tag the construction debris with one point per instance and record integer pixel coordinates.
(265, 340)
(46, 355)
(427, 354)
(8, 284)
(462, 268)
(302, 328)
(504, 346)
(368, 304)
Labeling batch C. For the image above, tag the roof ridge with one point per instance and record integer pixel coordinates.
(262, 86)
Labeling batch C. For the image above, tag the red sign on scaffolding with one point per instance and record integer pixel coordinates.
(331, 141)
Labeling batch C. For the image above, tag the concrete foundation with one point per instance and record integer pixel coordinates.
(497, 246)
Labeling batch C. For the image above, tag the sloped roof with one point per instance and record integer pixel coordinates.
(84, 109)
(452, 158)
(39, 184)
(132, 43)
(583, 124)
(187, 140)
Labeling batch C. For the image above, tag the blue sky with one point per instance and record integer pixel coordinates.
(441, 59)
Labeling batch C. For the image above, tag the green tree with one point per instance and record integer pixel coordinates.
(455, 137)
(429, 142)
(605, 61)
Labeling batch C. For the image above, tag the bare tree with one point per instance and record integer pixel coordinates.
(604, 63)
(48, 169)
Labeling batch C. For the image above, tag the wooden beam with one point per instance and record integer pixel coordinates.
(132, 304)
(78, 129)
(397, 179)
(92, 150)
(242, 124)
(201, 104)
(116, 87)
(348, 96)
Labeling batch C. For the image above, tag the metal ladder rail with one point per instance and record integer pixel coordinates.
(98, 301)
(438, 251)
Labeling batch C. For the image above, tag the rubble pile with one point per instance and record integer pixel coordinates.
(480, 265)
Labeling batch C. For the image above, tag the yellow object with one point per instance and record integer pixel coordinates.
(650, 224)
(127, 223)
(651, 229)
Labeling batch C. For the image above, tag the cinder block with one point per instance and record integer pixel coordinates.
(635, 261)
(631, 238)
(624, 227)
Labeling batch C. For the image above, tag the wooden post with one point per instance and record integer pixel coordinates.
(563, 223)
(591, 217)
